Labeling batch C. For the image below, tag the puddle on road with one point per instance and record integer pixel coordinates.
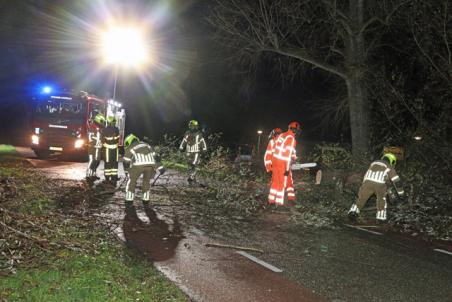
(157, 239)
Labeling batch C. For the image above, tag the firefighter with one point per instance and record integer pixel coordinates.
(194, 144)
(283, 153)
(110, 139)
(269, 152)
(139, 159)
(95, 146)
(379, 176)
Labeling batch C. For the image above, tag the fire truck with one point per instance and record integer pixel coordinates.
(60, 122)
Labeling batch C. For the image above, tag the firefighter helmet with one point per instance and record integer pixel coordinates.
(129, 139)
(274, 133)
(392, 159)
(111, 120)
(295, 127)
(99, 119)
(193, 124)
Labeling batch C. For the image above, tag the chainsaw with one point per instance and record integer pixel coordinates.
(295, 167)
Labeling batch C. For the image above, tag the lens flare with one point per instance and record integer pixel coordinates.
(124, 46)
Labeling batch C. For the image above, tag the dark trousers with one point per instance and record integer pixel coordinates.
(193, 160)
(111, 157)
(94, 156)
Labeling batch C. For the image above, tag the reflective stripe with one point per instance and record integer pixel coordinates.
(112, 138)
(395, 178)
(195, 161)
(378, 164)
(354, 209)
(113, 146)
(381, 215)
(376, 176)
(127, 159)
(146, 196)
(141, 145)
(281, 157)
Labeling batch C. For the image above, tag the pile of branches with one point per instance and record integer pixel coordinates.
(32, 223)
(233, 186)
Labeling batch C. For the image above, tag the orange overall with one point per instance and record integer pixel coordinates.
(282, 155)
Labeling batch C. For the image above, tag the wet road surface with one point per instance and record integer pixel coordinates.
(342, 264)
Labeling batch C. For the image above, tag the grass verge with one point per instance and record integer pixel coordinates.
(51, 254)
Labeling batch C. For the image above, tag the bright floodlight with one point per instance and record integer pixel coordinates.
(124, 46)
(259, 132)
(47, 89)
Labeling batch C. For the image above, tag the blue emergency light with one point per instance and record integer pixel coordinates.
(47, 89)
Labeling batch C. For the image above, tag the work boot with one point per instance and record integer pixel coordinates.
(380, 222)
(353, 216)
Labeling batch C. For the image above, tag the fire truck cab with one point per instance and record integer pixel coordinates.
(60, 122)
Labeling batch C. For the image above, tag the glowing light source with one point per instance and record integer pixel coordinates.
(124, 46)
(79, 143)
(259, 132)
(35, 139)
(417, 137)
(46, 89)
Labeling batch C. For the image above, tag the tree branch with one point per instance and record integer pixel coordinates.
(303, 56)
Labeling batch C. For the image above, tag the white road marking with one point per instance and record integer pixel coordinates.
(362, 229)
(259, 261)
(443, 251)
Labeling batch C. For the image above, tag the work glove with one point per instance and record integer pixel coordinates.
(286, 173)
(126, 177)
(161, 170)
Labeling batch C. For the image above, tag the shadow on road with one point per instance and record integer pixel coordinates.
(157, 240)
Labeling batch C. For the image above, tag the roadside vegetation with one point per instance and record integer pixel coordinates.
(51, 249)
(235, 192)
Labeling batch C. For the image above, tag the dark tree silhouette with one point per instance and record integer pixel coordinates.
(334, 36)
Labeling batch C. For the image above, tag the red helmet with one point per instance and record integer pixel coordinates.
(274, 133)
(294, 125)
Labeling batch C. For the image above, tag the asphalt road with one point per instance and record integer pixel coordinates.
(341, 264)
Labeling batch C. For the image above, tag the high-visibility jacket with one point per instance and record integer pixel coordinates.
(193, 142)
(139, 154)
(381, 172)
(283, 153)
(378, 177)
(139, 159)
(269, 155)
(110, 137)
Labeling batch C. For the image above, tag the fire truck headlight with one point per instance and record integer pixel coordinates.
(79, 143)
(35, 139)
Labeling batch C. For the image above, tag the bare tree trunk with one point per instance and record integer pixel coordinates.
(356, 88)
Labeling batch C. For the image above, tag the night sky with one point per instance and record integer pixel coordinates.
(47, 43)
